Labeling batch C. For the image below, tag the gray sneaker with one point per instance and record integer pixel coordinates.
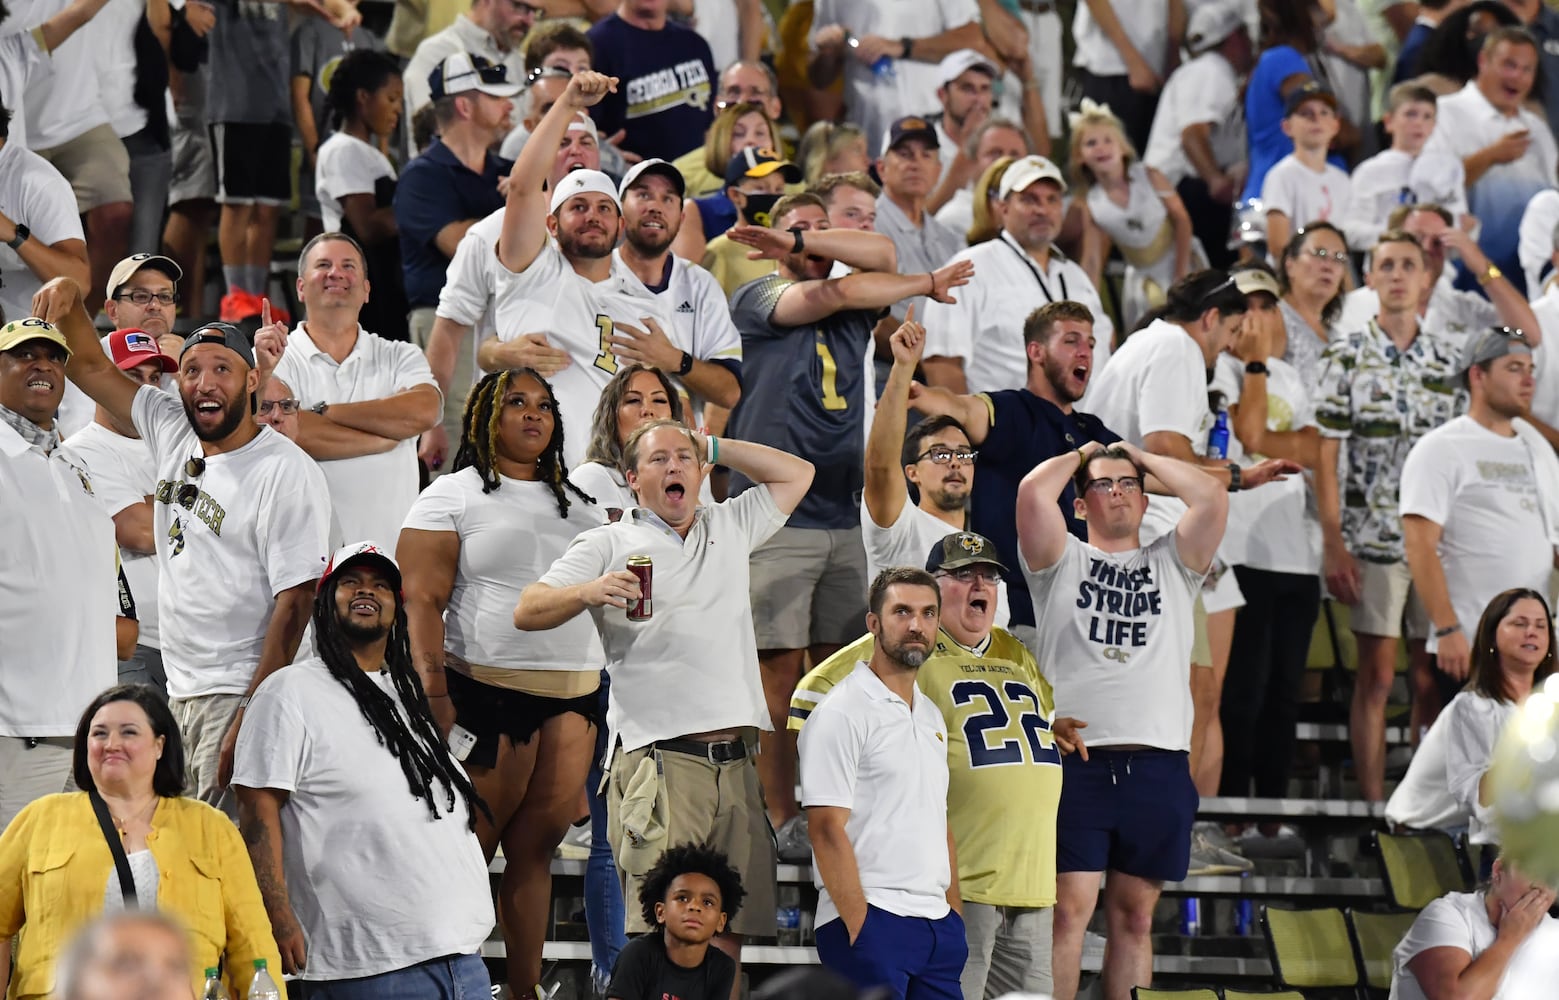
(792, 843)
(1212, 853)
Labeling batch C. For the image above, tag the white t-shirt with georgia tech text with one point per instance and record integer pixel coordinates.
(1115, 635)
(258, 525)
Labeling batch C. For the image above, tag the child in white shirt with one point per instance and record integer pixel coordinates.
(1302, 187)
(1404, 174)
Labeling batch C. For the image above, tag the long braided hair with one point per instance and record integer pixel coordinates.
(479, 437)
(419, 748)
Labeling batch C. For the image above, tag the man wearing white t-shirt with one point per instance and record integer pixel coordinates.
(976, 343)
(39, 225)
(241, 523)
(1114, 619)
(56, 569)
(1123, 53)
(341, 758)
(124, 479)
(874, 766)
(574, 289)
(937, 459)
(1479, 511)
(699, 642)
(362, 399)
(854, 38)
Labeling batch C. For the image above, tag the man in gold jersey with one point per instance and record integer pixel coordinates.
(1004, 763)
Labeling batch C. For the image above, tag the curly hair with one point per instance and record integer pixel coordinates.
(691, 859)
(479, 437)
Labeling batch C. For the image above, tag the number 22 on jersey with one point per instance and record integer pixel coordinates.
(988, 732)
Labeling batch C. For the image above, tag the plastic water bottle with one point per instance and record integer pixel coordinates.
(788, 916)
(214, 990)
(1218, 437)
(263, 987)
(1190, 916)
(882, 68)
(1244, 917)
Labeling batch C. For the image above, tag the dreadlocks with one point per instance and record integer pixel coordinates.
(419, 748)
(479, 437)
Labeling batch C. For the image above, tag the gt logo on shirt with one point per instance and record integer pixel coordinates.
(1123, 606)
(203, 507)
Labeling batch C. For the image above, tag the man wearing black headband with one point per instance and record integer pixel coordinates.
(240, 523)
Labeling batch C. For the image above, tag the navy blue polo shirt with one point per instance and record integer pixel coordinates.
(1025, 431)
(436, 189)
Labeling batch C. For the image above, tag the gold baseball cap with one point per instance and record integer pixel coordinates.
(20, 331)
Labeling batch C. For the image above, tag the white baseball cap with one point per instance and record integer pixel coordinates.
(956, 64)
(461, 73)
(583, 182)
(1210, 24)
(581, 122)
(653, 165)
(1026, 171)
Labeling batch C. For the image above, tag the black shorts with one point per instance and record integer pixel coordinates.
(1127, 811)
(488, 712)
(253, 163)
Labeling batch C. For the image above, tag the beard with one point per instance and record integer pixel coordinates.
(906, 655)
(946, 501)
(574, 247)
(651, 244)
(363, 633)
(232, 418)
(1058, 377)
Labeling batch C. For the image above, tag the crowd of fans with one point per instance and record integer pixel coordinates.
(674, 377)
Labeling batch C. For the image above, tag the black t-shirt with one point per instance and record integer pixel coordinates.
(666, 99)
(644, 972)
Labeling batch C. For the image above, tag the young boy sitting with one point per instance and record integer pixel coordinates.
(1302, 187)
(690, 894)
(1404, 174)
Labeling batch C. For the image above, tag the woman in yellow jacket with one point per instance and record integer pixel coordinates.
(57, 871)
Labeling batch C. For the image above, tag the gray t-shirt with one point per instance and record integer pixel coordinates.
(317, 48)
(248, 64)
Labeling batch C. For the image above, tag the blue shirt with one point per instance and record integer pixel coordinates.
(1545, 27)
(665, 97)
(1025, 431)
(718, 213)
(1264, 114)
(1407, 55)
(434, 190)
(804, 392)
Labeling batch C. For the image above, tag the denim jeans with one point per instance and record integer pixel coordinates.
(604, 914)
(454, 977)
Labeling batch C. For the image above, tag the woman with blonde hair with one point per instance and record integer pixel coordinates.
(1126, 202)
(988, 218)
(831, 148)
(735, 128)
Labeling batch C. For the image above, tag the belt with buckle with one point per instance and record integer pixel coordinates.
(723, 752)
(1037, 6)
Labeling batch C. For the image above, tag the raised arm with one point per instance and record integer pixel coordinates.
(54, 32)
(787, 477)
(973, 413)
(1201, 529)
(854, 248)
(809, 301)
(885, 493)
(428, 563)
(525, 211)
(1042, 529)
(60, 302)
(259, 820)
(1514, 310)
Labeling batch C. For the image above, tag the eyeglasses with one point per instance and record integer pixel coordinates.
(287, 406)
(732, 96)
(1321, 253)
(942, 455)
(968, 574)
(189, 492)
(1126, 484)
(142, 297)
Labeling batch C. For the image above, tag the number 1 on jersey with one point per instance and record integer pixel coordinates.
(831, 398)
(606, 360)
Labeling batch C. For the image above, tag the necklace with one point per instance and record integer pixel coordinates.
(122, 825)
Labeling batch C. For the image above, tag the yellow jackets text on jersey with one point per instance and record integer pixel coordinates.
(1004, 768)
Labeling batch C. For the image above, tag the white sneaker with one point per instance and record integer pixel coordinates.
(576, 843)
(1212, 853)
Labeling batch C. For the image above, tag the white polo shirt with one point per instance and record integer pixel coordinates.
(123, 475)
(874, 102)
(1146, 23)
(907, 542)
(467, 295)
(1536, 246)
(370, 493)
(32, 192)
(1204, 90)
(578, 316)
(259, 525)
(984, 328)
(864, 749)
(57, 591)
(700, 642)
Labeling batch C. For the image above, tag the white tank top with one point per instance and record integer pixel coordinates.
(1141, 228)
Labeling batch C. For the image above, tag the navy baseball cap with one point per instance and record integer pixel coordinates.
(756, 161)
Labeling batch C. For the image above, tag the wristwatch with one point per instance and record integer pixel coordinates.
(22, 234)
(800, 243)
(1234, 478)
(909, 47)
(686, 364)
(320, 408)
(1441, 633)
(1255, 368)
(1490, 273)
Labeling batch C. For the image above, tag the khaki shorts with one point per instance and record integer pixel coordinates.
(808, 586)
(1009, 950)
(97, 165)
(716, 805)
(1201, 647)
(203, 721)
(1390, 607)
(31, 769)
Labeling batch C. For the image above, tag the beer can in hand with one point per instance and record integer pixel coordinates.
(642, 567)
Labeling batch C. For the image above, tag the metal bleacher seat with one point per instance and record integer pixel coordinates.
(1375, 937)
(1419, 867)
(1310, 949)
(1145, 993)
